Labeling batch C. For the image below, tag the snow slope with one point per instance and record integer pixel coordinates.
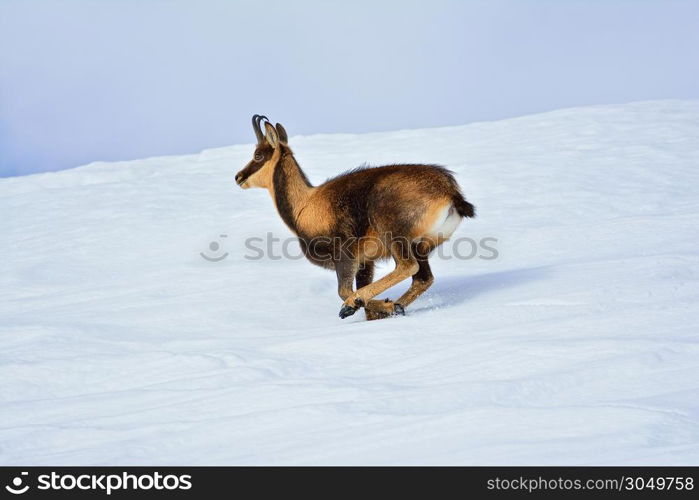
(577, 345)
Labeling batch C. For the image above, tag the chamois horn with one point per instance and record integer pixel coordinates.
(256, 119)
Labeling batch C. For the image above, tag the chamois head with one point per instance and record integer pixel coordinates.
(259, 171)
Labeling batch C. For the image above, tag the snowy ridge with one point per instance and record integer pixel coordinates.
(577, 345)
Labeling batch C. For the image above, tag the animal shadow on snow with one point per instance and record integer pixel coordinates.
(453, 290)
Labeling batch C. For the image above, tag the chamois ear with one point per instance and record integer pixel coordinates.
(271, 135)
(283, 138)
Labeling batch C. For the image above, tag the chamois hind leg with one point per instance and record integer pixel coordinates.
(406, 266)
(375, 309)
(422, 280)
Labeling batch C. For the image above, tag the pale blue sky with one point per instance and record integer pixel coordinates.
(87, 80)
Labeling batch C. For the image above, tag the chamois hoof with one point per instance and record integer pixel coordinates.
(347, 311)
(398, 310)
(374, 315)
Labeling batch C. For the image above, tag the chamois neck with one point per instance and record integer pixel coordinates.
(290, 189)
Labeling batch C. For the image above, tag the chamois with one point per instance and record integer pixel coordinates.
(356, 218)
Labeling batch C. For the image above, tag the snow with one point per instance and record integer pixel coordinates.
(577, 345)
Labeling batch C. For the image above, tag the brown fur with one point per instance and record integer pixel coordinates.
(360, 216)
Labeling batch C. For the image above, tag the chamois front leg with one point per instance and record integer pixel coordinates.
(374, 309)
(346, 269)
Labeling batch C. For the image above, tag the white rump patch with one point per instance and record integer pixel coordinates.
(446, 223)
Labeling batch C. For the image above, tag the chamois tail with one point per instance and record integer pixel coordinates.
(463, 208)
